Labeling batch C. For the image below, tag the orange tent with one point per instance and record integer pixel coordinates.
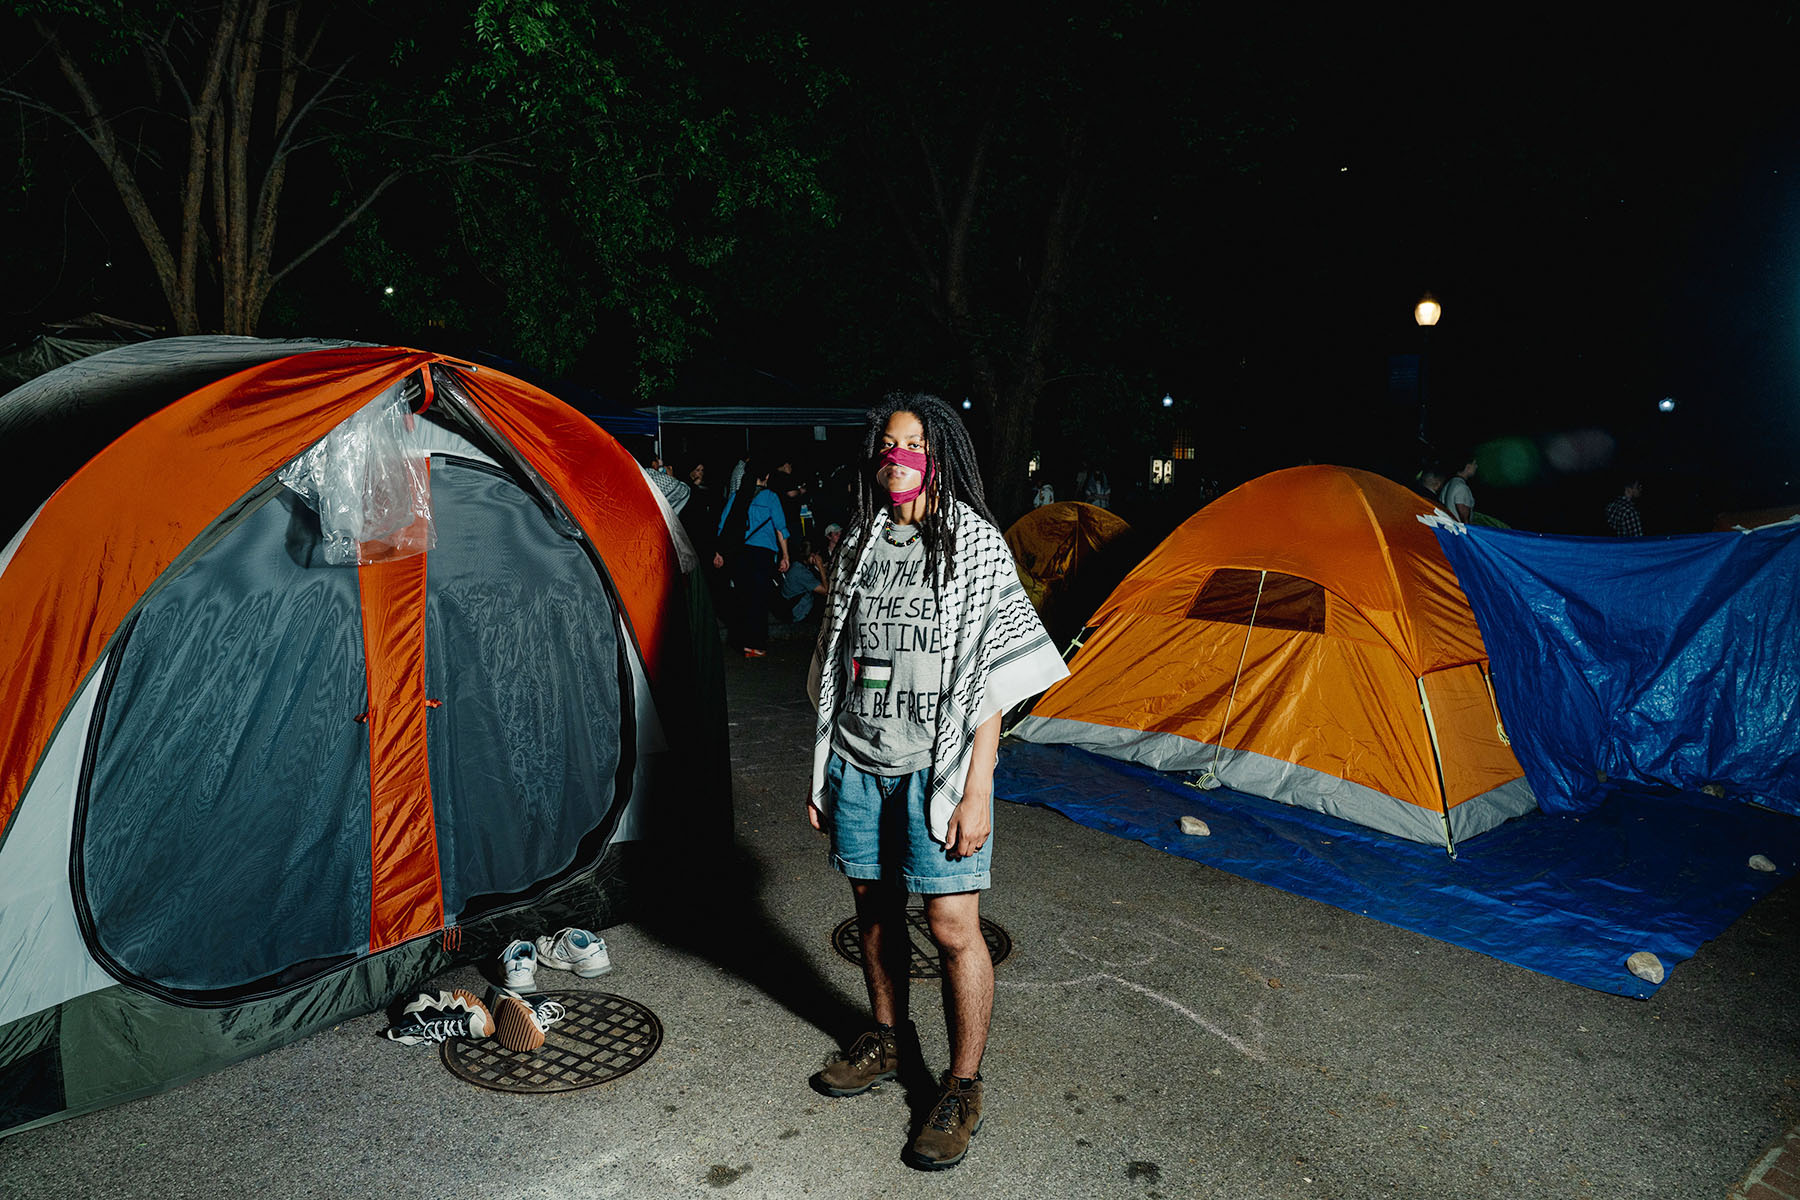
(250, 788)
(1053, 545)
(1304, 639)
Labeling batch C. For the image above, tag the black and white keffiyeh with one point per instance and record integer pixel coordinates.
(996, 653)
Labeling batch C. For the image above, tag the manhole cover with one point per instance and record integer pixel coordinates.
(600, 1037)
(925, 965)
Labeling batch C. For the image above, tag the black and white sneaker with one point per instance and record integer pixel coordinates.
(440, 1017)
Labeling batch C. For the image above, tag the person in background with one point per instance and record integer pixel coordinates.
(701, 515)
(752, 545)
(1431, 481)
(1456, 497)
(787, 484)
(927, 639)
(673, 490)
(1045, 494)
(1094, 487)
(804, 584)
(1622, 512)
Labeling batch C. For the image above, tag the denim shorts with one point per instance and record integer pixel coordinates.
(879, 831)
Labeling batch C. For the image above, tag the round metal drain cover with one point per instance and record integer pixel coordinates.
(600, 1037)
(925, 963)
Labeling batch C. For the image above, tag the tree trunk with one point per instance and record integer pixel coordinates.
(1015, 408)
(217, 232)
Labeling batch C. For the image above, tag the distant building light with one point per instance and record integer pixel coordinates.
(1666, 404)
(388, 290)
(1168, 400)
(966, 405)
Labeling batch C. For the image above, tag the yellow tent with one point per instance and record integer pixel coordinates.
(1059, 549)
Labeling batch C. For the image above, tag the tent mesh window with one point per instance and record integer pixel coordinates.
(1288, 602)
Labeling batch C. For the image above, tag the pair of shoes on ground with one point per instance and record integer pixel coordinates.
(579, 950)
(873, 1059)
(437, 1017)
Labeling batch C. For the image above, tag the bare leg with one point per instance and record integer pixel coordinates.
(886, 948)
(955, 922)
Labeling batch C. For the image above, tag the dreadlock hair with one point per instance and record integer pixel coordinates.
(952, 473)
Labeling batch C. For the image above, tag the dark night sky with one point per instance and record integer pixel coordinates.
(1604, 202)
(1607, 210)
(1605, 205)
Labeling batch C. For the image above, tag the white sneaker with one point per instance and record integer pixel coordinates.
(518, 1023)
(574, 950)
(518, 966)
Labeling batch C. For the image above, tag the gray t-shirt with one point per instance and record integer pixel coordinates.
(887, 721)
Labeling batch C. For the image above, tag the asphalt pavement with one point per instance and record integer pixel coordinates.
(1161, 1030)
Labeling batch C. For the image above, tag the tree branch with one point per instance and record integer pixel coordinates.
(99, 135)
(349, 219)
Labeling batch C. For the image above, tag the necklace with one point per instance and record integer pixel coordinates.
(887, 535)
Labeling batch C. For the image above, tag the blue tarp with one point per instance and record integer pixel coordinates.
(1566, 895)
(1666, 662)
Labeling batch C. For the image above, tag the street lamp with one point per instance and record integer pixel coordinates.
(1426, 312)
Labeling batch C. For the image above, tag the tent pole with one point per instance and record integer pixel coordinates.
(1210, 778)
(1437, 757)
(1499, 722)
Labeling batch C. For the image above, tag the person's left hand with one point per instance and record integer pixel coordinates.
(784, 564)
(972, 821)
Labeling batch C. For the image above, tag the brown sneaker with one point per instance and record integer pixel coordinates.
(955, 1119)
(871, 1059)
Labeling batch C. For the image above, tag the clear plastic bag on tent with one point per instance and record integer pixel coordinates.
(370, 487)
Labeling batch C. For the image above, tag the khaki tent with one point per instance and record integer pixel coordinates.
(1062, 550)
(1304, 639)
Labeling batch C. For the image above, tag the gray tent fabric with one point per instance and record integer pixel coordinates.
(521, 646)
(521, 649)
(214, 803)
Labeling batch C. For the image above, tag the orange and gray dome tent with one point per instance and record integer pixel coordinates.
(1304, 639)
(245, 792)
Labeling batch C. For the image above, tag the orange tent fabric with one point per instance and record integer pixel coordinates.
(88, 559)
(1302, 638)
(1050, 543)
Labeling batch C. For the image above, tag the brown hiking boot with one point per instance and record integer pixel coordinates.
(954, 1119)
(871, 1059)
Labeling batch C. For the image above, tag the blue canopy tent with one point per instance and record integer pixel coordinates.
(1664, 662)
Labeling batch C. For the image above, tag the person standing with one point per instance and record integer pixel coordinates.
(927, 639)
(1430, 481)
(1457, 498)
(753, 540)
(1622, 513)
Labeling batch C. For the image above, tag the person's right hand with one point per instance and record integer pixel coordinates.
(718, 559)
(815, 817)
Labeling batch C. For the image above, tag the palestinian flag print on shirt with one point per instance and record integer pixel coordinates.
(874, 673)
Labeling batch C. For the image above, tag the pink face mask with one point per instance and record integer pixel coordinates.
(916, 460)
